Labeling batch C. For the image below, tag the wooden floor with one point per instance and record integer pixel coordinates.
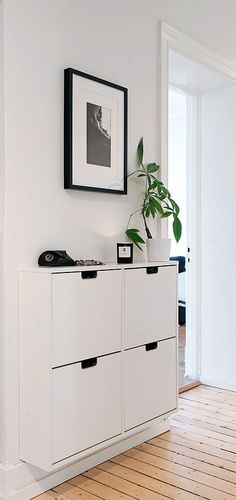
(196, 459)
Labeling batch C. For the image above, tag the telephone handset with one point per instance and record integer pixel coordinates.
(54, 258)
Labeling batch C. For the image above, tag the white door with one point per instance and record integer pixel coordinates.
(86, 315)
(150, 305)
(150, 382)
(86, 405)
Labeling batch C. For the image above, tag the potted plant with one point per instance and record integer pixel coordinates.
(157, 200)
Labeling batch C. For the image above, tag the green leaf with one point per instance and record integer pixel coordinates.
(140, 152)
(134, 236)
(141, 175)
(153, 186)
(152, 167)
(157, 183)
(166, 214)
(157, 205)
(134, 233)
(175, 206)
(165, 191)
(177, 229)
(152, 208)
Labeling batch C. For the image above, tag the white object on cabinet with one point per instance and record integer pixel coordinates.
(97, 358)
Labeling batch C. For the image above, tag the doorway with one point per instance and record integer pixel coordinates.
(191, 80)
(182, 148)
(177, 183)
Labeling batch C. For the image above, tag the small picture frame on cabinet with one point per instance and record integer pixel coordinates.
(124, 253)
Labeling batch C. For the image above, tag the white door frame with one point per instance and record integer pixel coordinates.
(170, 38)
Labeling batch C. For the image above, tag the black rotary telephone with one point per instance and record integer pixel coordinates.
(54, 258)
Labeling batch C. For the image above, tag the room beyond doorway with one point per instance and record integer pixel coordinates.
(192, 88)
(180, 180)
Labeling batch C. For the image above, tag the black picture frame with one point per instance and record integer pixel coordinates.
(124, 253)
(73, 166)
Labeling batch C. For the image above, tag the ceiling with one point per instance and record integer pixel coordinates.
(193, 76)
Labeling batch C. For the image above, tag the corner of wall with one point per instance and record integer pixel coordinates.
(2, 228)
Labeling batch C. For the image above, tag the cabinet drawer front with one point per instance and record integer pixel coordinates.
(150, 382)
(86, 315)
(150, 305)
(86, 405)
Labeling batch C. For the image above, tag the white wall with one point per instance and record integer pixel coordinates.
(116, 40)
(42, 38)
(2, 234)
(218, 209)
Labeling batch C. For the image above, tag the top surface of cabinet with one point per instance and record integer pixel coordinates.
(103, 267)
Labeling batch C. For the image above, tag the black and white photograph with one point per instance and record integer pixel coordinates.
(98, 135)
(95, 134)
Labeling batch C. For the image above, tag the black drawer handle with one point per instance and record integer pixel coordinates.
(88, 363)
(88, 275)
(151, 346)
(152, 270)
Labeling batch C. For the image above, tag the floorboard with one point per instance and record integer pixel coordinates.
(195, 459)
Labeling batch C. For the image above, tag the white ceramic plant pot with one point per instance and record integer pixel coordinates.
(158, 249)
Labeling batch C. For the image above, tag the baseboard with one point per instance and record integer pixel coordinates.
(189, 386)
(23, 482)
(219, 384)
(2, 483)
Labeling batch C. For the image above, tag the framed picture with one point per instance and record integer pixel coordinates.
(95, 134)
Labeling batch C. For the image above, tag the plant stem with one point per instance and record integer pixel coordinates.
(136, 211)
(148, 233)
(135, 172)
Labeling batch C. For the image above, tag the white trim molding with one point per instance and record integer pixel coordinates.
(170, 38)
(196, 51)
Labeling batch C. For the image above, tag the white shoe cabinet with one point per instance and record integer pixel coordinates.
(98, 357)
